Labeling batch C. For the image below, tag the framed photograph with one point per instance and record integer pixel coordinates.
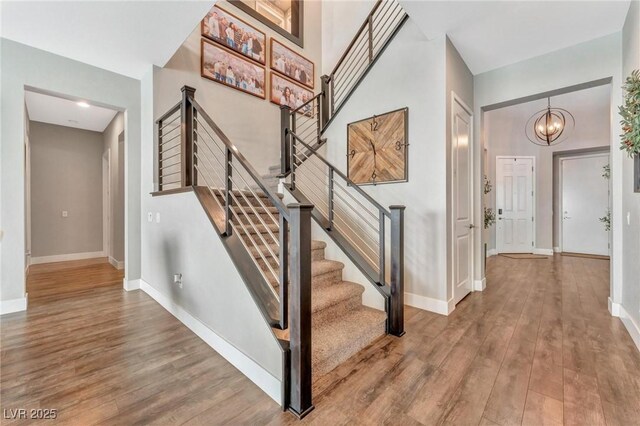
(228, 68)
(286, 92)
(291, 64)
(377, 148)
(235, 34)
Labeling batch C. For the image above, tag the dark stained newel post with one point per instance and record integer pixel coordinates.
(186, 137)
(285, 125)
(300, 309)
(396, 302)
(324, 102)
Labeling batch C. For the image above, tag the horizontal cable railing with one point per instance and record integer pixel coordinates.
(378, 29)
(367, 229)
(277, 237)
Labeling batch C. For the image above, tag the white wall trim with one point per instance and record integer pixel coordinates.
(492, 252)
(557, 250)
(617, 310)
(14, 305)
(67, 257)
(543, 251)
(118, 264)
(258, 375)
(129, 285)
(429, 304)
(480, 285)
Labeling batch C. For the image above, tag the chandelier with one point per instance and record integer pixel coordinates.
(550, 126)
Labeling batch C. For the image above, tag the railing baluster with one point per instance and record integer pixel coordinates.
(292, 152)
(228, 187)
(159, 155)
(324, 101)
(331, 198)
(194, 147)
(396, 301)
(300, 309)
(370, 31)
(381, 249)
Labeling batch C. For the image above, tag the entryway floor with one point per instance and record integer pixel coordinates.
(538, 346)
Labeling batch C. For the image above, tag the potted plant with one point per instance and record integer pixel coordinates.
(630, 113)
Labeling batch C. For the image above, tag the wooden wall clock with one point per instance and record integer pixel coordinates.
(377, 148)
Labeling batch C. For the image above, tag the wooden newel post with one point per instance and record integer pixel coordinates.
(186, 137)
(324, 101)
(285, 125)
(300, 309)
(396, 302)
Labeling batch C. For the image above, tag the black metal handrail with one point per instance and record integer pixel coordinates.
(211, 164)
(348, 220)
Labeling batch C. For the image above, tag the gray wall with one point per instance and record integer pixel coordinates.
(24, 66)
(111, 137)
(66, 174)
(630, 299)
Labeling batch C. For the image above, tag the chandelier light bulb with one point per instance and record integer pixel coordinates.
(549, 126)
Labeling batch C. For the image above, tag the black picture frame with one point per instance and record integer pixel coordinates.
(297, 20)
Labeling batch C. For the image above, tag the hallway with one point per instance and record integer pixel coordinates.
(538, 345)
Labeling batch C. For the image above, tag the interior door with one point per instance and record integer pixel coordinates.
(585, 199)
(514, 204)
(462, 201)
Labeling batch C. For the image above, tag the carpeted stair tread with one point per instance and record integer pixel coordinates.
(322, 267)
(326, 297)
(337, 340)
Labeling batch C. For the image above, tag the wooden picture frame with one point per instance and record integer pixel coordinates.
(249, 49)
(279, 54)
(296, 35)
(253, 76)
(385, 160)
(301, 94)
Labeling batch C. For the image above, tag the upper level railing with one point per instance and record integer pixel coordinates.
(275, 239)
(372, 37)
(371, 235)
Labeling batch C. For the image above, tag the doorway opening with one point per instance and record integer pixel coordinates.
(74, 189)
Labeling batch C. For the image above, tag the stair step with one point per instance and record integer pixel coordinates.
(337, 340)
(326, 272)
(255, 228)
(335, 301)
(317, 249)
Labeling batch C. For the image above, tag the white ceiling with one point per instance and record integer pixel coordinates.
(492, 34)
(120, 36)
(65, 112)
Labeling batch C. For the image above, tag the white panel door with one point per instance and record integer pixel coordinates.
(585, 199)
(514, 204)
(462, 202)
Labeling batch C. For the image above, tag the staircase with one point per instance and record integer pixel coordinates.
(318, 317)
(341, 325)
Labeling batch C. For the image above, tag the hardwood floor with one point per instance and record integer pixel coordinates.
(538, 346)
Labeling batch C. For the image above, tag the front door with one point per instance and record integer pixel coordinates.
(462, 201)
(514, 204)
(585, 199)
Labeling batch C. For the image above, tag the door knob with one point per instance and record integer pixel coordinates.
(471, 226)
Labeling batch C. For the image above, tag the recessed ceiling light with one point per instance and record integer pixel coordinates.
(83, 104)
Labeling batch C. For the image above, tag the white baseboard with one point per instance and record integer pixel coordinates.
(492, 252)
(480, 285)
(258, 375)
(429, 304)
(67, 257)
(544, 252)
(118, 264)
(614, 308)
(557, 250)
(14, 305)
(131, 284)
(632, 327)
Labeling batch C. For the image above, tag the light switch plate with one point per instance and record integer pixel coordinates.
(150, 217)
(65, 213)
(158, 217)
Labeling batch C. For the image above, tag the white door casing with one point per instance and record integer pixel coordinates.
(584, 199)
(515, 204)
(462, 199)
(106, 202)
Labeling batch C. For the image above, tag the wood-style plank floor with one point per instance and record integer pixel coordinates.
(538, 346)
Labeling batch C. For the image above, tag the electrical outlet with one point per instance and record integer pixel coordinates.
(158, 217)
(177, 279)
(150, 217)
(628, 218)
(65, 213)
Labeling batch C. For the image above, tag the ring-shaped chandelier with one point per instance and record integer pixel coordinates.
(550, 126)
